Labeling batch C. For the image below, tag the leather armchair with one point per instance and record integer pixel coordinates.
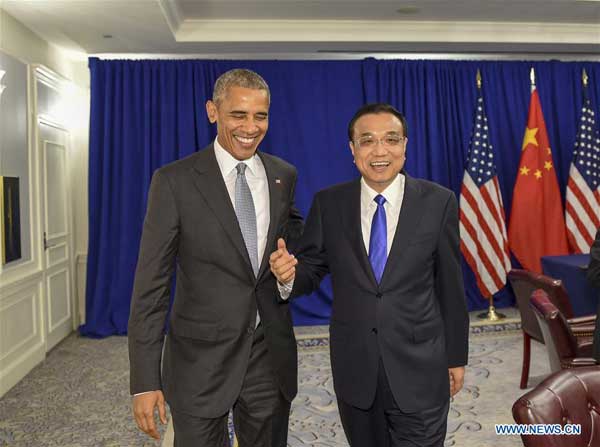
(566, 397)
(523, 283)
(568, 346)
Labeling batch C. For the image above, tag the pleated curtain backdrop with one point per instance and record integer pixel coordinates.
(147, 113)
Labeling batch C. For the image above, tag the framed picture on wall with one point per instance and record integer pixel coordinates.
(10, 219)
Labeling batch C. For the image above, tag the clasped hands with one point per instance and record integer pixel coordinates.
(283, 263)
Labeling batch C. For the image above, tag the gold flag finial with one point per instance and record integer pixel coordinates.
(532, 78)
(584, 78)
(478, 79)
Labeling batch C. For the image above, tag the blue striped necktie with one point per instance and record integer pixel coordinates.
(378, 241)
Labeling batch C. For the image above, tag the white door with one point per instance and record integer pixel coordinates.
(53, 144)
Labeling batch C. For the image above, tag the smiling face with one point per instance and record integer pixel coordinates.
(379, 148)
(242, 118)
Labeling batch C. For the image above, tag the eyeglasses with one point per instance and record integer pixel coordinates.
(389, 141)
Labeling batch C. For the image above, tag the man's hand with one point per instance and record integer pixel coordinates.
(143, 410)
(457, 379)
(283, 264)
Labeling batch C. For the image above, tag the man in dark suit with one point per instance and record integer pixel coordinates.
(593, 276)
(214, 217)
(399, 323)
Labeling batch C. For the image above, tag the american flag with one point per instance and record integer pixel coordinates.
(483, 240)
(582, 214)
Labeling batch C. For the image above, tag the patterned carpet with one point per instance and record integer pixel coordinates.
(79, 396)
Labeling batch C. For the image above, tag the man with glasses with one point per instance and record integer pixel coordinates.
(399, 323)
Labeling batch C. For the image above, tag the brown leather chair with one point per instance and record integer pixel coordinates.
(568, 346)
(566, 397)
(523, 283)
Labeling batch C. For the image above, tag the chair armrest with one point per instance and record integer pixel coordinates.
(577, 362)
(586, 319)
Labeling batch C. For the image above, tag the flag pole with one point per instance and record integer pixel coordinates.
(491, 314)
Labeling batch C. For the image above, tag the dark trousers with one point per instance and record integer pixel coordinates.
(386, 425)
(260, 413)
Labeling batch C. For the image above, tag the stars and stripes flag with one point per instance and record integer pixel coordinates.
(582, 214)
(537, 226)
(483, 240)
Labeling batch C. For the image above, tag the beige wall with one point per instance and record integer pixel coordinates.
(24, 44)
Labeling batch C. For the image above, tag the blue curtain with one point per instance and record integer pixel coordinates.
(145, 114)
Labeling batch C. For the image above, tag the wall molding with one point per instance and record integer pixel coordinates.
(173, 14)
(80, 283)
(20, 283)
(56, 248)
(385, 31)
(52, 326)
(20, 358)
(48, 77)
(29, 294)
(18, 369)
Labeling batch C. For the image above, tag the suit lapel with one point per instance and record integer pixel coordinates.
(276, 187)
(410, 216)
(351, 213)
(211, 185)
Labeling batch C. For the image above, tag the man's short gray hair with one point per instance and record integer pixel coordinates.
(238, 77)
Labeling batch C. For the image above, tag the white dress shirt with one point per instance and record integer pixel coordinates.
(394, 195)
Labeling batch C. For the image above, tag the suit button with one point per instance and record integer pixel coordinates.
(379, 295)
(374, 330)
(250, 331)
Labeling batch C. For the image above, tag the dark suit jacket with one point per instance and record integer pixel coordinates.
(593, 275)
(191, 226)
(415, 320)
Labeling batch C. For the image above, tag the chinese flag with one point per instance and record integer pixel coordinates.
(537, 225)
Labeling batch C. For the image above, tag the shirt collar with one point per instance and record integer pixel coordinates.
(392, 193)
(228, 163)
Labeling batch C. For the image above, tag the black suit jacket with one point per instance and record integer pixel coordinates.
(593, 275)
(415, 320)
(191, 226)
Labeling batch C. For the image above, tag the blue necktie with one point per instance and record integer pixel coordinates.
(378, 241)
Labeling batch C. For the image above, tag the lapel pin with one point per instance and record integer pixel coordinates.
(278, 181)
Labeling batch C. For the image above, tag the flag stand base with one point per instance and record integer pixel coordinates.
(491, 315)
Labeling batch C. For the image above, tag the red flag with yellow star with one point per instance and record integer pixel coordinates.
(537, 225)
